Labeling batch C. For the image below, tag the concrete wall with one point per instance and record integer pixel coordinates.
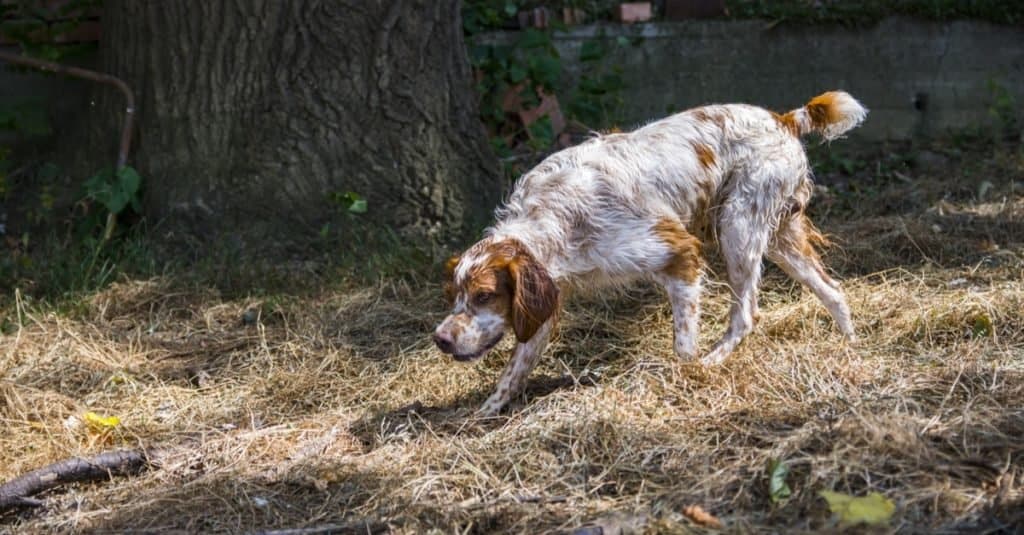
(895, 68)
(919, 78)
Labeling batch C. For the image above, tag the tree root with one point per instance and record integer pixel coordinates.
(16, 492)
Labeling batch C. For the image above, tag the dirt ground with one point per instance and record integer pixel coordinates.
(333, 411)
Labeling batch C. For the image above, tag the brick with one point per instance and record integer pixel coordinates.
(573, 15)
(631, 12)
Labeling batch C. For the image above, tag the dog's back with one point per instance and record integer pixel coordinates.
(593, 205)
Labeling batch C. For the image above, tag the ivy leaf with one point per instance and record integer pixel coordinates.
(873, 509)
(516, 74)
(534, 39)
(591, 51)
(778, 490)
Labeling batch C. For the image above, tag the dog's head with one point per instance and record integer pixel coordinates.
(494, 285)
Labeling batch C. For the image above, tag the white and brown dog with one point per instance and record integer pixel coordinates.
(624, 206)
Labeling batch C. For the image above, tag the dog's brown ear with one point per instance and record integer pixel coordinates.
(535, 298)
(449, 278)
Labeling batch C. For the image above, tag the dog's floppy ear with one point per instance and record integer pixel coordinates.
(536, 295)
(449, 278)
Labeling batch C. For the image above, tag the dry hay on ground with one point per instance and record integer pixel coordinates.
(336, 410)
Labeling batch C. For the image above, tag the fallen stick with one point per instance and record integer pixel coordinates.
(17, 492)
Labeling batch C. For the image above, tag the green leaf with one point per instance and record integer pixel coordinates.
(591, 51)
(516, 74)
(982, 325)
(358, 206)
(545, 70)
(511, 9)
(622, 40)
(778, 490)
(534, 39)
(129, 179)
(873, 509)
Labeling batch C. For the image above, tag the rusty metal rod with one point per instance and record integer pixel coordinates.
(129, 111)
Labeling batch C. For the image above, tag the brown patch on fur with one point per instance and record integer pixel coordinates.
(705, 155)
(823, 111)
(490, 287)
(511, 283)
(449, 278)
(686, 260)
(813, 240)
(801, 236)
(788, 122)
(814, 235)
(536, 294)
(702, 115)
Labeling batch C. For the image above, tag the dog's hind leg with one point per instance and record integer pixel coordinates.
(743, 240)
(793, 251)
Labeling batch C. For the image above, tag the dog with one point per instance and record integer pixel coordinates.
(620, 207)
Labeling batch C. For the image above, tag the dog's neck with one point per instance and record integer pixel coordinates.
(540, 237)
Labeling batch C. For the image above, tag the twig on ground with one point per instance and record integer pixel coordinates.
(15, 493)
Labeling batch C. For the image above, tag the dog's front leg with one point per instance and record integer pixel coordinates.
(512, 380)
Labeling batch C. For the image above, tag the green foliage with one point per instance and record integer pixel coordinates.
(532, 61)
(778, 489)
(1003, 110)
(115, 190)
(52, 266)
(37, 25)
(597, 99)
(982, 325)
(350, 202)
(531, 65)
(26, 117)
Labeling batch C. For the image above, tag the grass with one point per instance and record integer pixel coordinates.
(331, 407)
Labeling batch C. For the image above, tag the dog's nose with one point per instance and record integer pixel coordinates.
(444, 342)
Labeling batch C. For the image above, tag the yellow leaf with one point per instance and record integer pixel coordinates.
(101, 422)
(872, 509)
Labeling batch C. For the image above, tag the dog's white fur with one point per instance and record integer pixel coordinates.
(624, 206)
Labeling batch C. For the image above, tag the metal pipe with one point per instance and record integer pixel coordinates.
(129, 115)
(129, 112)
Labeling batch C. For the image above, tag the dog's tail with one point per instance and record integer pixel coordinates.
(830, 114)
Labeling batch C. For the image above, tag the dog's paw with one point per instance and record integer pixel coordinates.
(686, 350)
(686, 357)
(715, 357)
(489, 409)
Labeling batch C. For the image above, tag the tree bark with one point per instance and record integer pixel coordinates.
(252, 112)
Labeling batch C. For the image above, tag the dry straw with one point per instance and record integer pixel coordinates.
(335, 410)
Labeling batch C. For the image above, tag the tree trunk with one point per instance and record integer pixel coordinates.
(251, 113)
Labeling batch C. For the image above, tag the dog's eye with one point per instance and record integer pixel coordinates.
(483, 298)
